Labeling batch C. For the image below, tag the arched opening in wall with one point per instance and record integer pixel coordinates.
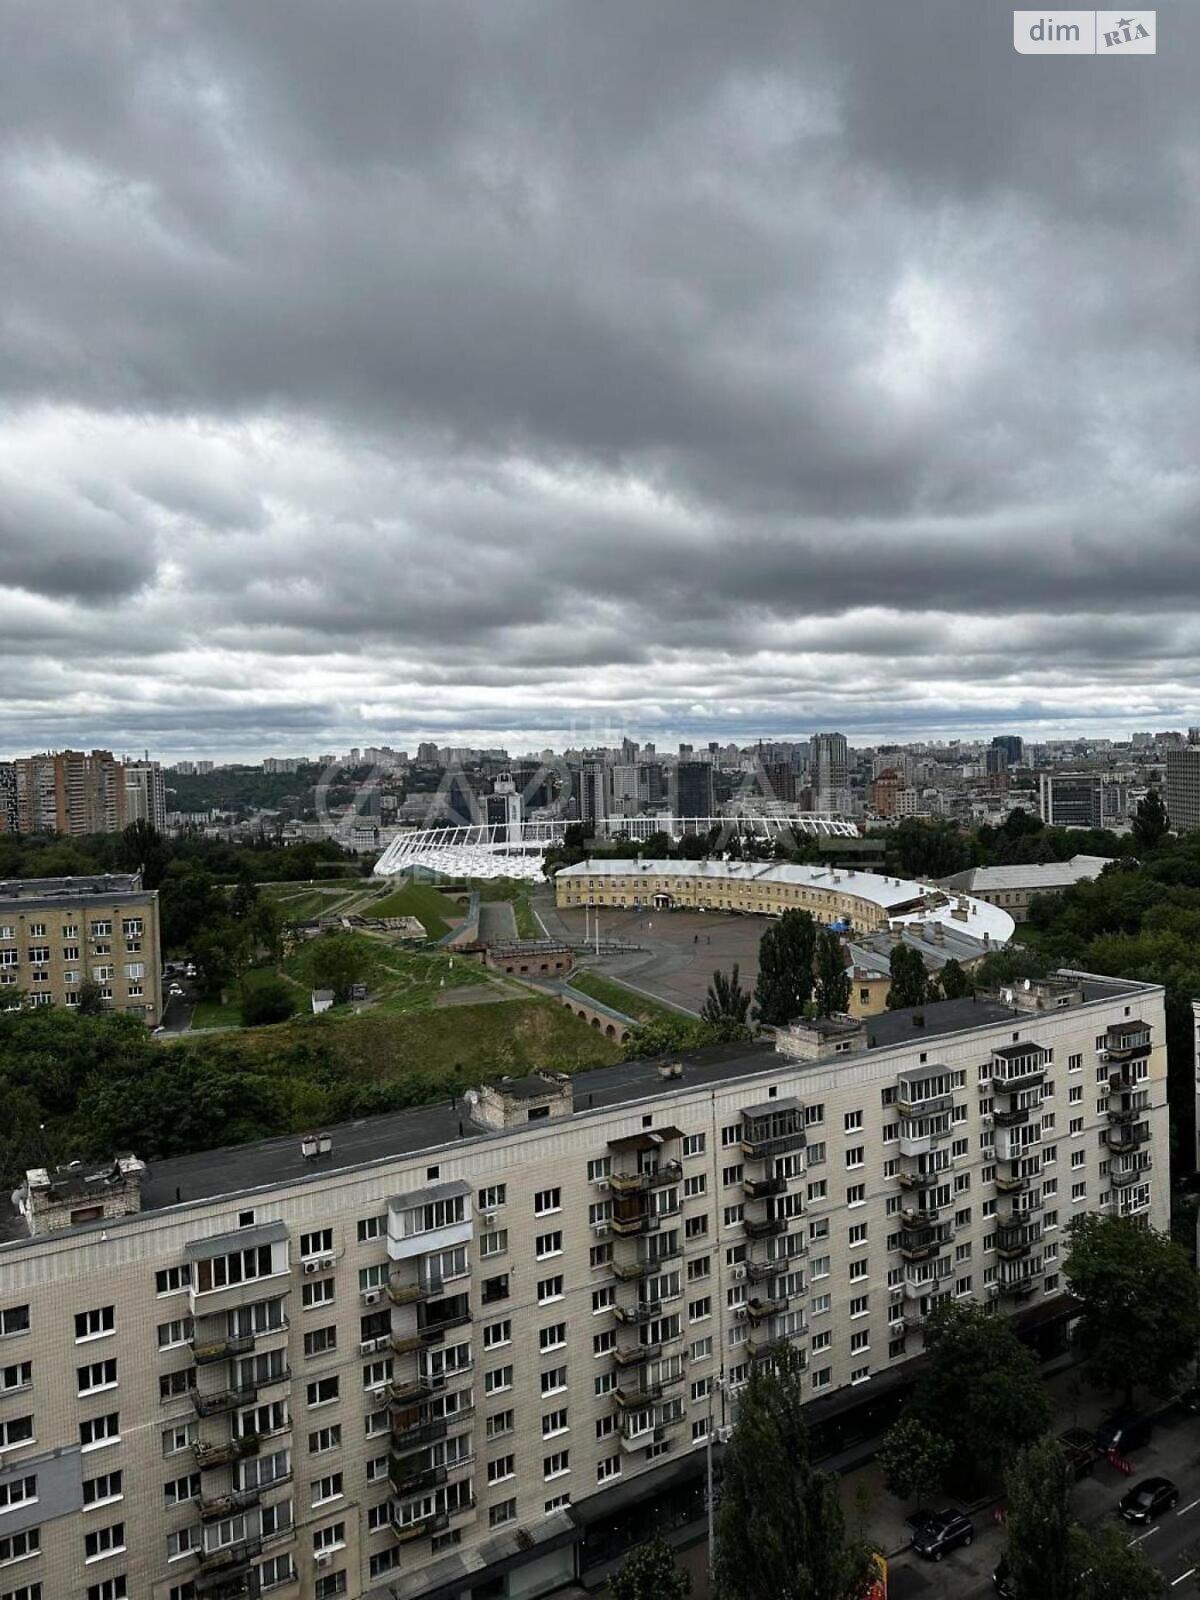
(596, 1022)
(610, 1032)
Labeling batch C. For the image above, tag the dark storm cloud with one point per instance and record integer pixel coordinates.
(389, 367)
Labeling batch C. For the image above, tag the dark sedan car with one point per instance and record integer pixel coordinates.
(1148, 1499)
(942, 1532)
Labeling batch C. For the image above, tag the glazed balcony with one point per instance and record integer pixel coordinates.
(1128, 1042)
(1137, 1171)
(922, 1244)
(405, 1532)
(773, 1130)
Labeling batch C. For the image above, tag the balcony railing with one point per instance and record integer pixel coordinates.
(404, 1532)
(763, 1188)
(764, 1227)
(204, 1351)
(635, 1315)
(756, 1310)
(229, 1555)
(634, 1354)
(627, 1271)
(765, 1148)
(223, 1400)
(1017, 1238)
(407, 1294)
(215, 1506)
(666, 1172)
(226, 1451)
(419, 1482)
(1128, 1136)
(1121, 1177)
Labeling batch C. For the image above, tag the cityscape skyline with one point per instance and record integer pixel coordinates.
(787, 392)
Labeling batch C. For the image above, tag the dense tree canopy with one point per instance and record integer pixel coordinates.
(785, 968)
(832, 991)
(650, 1572)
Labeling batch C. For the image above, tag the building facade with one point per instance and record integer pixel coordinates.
(1183, 788)
(1071, 799)
(472, 1350)
(75, 793)
(58, 933)
(1017, 887)
(830, 762)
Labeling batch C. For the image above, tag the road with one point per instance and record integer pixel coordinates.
(1172, 1542)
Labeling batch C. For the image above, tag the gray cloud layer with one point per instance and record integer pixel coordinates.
(383, 370)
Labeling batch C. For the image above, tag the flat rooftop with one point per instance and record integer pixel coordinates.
(209, 1174)
(29, 893)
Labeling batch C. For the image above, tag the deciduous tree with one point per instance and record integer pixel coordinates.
(915, 1460)
(1141, 1306)
(832, 977)
(649, 1572)
(726, 1002)
(910, 984)
(785, 968)
(781, 1534)
(1041, 1550)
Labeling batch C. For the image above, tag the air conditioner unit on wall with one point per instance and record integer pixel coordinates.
(312, 1266)
(372, 1297)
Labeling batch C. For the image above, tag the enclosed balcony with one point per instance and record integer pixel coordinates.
(1129, 1170)
(631, 1214)
(1014, 1239)
(1017, 1066)
(1127, 1104)
(925, 1171)
(925, 1090)
(775, 1128)
(920, 1135)
(1127, 1041)
(435, 1522)
(922, 1244)
(411, 1476)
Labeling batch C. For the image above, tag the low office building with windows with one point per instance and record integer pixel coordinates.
(58, 933)
(476, 1349)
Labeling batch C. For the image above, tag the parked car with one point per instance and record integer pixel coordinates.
(942, 1532)
(1002, 1578)
(1190, 1399)
(1123, 1431)
(1079, 1447)
(1149, 1499)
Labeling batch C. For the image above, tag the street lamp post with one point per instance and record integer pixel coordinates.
(718, 1387)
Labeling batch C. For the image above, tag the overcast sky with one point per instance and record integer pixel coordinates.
(511, 373)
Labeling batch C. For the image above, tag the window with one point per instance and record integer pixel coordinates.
(604, 1384)
(554, 1380)
(858, 1269)
(855, 1156)
(732, 1215)
(172, 1280)
(699, 1309)
(318, 1243)
(178, 1491)
(607, 1468)
(550, 1289)
(693, 1144)
(178, 1437)
(500, 1423)
(176, 1332)
(23, 1492)
(320, 1341)
(15, 1430)
(493, 1196)
(17, 1376)
(859, 1305)
(852, 1121)
(94, 1324)
(549, 1244)
(599, 1169)
(602, 1343)
(503, 1468)
(732, 1175)
(171, 1385)
(326, 1488)
(857, 1234)
(856, 1194)
(19, 1546)
(603, 1299)
(324, 1439)
(498, 1515)
(109, 1589)
(818, 1190)
(371, 1228)
(693, 1228)
(322, 1391)
(317, 1293)
(494, 1243)
(497, 1333)
(552, 1337)
(497, 1380)
(97, 1375)
(104, 1542)
(546, 1201)
(553, 1466)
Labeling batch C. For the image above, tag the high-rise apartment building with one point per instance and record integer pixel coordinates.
(1183, 788)
(8, 797)
(1013, 746)
(472, 1350)
(58, 933)
(75, 793)
(829, 760)
(595, 792)
(1071, 799)
(690, 789)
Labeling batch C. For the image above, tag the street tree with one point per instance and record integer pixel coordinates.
(1110, 1568)
(338, 962)
(832, 977)
(90, 1002)
(1041, 1551)
(910, 984)
(726, 1002)
(649, 1572)
(956, 985)
(980, 1390)
(785, 968)
(916, 1460)
(780, 1532)
(1141, 1306)
(266, 998)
